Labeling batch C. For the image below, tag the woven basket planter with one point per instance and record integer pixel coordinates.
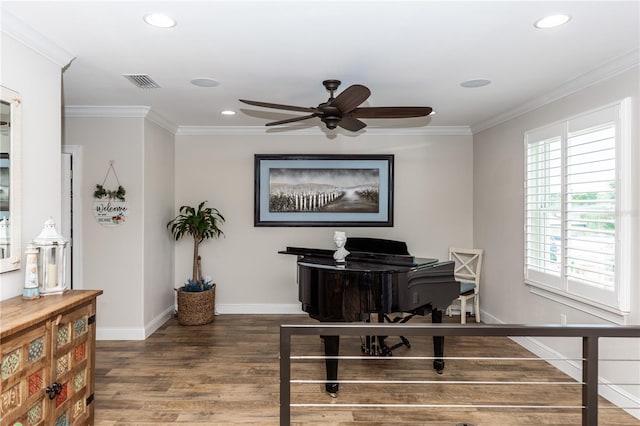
(196, 308)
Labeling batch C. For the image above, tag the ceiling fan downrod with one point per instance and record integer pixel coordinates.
(331, 86)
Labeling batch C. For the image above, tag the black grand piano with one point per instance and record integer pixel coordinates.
(378, 277)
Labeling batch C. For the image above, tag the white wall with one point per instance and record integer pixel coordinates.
(498, 228)
(132, 263)
(433, 208)
(498, 202)
(38, 80)
(158, 195)
(112, 256)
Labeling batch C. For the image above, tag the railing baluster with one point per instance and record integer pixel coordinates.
(590, 380)
(285, 376)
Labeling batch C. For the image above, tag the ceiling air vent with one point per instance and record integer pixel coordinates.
(143, 81)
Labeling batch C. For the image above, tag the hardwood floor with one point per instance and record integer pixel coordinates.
(227, 372)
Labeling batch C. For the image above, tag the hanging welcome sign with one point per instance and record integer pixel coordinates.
(110, 207)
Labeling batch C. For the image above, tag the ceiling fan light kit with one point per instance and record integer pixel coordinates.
(342, 110)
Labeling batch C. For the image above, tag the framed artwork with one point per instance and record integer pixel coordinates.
(323, 190)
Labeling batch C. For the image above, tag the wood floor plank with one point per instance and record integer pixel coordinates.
(227, 372)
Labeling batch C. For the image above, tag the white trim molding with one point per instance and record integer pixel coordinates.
(258, 309)
(107, 111)
(120, 111)
(317, 131)
(134, 333)
(26, 35)
(603, 72)
(612, 392)
(611, 315)
(142, 111)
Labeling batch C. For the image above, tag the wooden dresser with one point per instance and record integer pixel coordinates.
(47, 347)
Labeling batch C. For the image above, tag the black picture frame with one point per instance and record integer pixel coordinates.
(323, 190)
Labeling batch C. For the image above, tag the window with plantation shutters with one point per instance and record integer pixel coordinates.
(576, 190)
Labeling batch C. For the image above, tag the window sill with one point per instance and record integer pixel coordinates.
(604, 312)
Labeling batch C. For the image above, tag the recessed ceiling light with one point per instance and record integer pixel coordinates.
(204, 82)
(160, 20)
(551, 21)
(228, 112)
(475, 83)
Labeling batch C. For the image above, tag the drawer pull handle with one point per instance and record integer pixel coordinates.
(53, 390)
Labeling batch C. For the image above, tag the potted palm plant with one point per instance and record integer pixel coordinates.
(196, 299)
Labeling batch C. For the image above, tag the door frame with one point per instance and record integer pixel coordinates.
(75, 249)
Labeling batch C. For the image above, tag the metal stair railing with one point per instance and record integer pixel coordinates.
(590, 335)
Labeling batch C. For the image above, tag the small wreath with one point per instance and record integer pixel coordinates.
(101, 193)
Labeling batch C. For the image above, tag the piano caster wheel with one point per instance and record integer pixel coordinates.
(333, 395)
(439, 371)
(331, 388)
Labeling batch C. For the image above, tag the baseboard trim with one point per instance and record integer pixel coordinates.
(612, 393)
(120, 333)
(158, 321)
(256, 309)
(134, 333)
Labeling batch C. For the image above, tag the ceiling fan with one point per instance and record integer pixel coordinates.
(343, 110)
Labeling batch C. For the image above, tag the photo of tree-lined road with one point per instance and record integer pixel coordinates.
(324, 190)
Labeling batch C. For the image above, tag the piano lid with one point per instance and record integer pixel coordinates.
(362, 258)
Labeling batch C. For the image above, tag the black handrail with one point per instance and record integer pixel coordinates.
(589, 333)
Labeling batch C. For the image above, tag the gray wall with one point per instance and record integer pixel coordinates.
(38, 81)
(498, 228)
(158, 196)
(132, 263)
(433, 208)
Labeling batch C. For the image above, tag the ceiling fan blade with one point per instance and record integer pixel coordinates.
(291, 120)
(390, 112)
(351, 124)
(278, 106)
(350, 98)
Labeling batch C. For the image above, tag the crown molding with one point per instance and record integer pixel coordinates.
(316, 131)
(161, 121)
(119, 111)
(141, 111)
(26, 35)
(603, 72)
(107, 111)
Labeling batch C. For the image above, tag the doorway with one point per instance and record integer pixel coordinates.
(71, 225)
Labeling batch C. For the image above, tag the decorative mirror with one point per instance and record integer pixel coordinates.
(10, 197)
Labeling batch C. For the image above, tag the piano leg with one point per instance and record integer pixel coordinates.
(331, 349)
(438, 343)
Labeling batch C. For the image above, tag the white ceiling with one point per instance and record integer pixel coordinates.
(413, 53)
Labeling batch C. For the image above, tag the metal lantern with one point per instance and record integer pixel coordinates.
(52, 254)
